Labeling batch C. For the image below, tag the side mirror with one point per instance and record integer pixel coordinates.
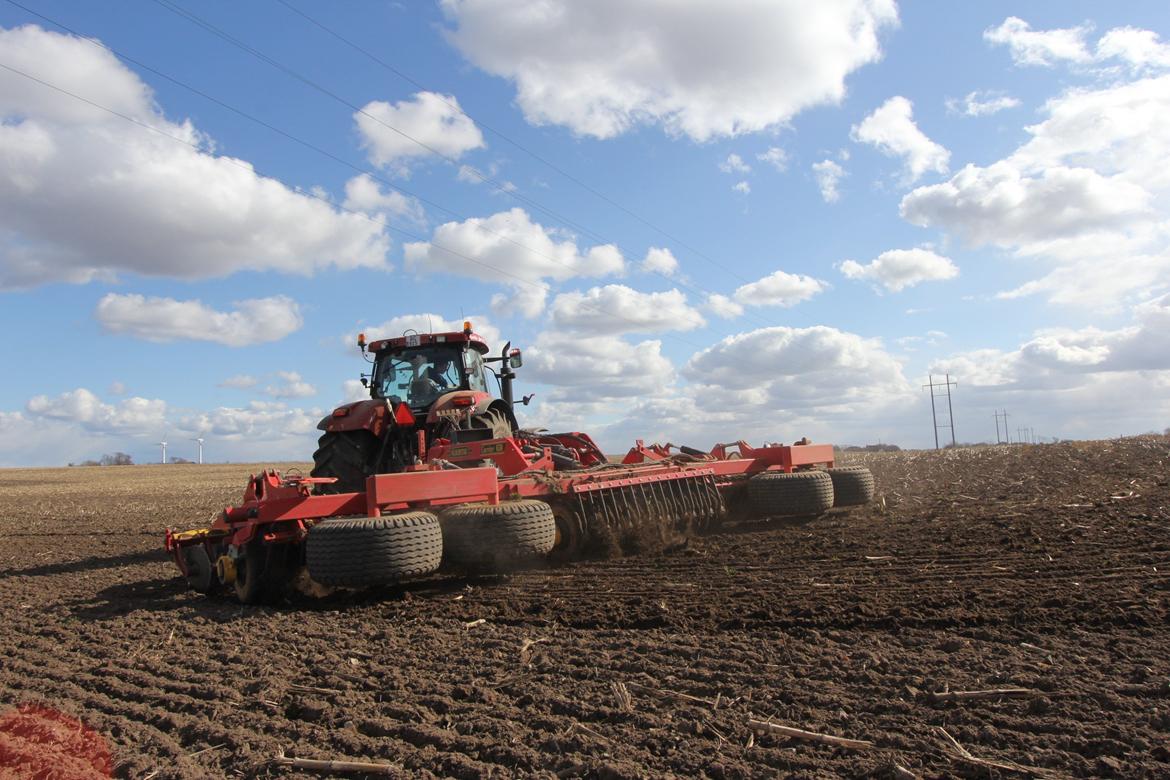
(515, 359)
(365, 382)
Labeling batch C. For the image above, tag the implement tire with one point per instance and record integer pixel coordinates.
(511, 532)
(800, 493)
(353, 552)
(852, 485)
(346, 455)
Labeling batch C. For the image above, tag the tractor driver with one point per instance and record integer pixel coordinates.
(437, 373)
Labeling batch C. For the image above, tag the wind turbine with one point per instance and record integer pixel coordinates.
(200, 440)
(163, 443)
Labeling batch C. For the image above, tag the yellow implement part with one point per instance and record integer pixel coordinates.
(225, 569)
(197, 533)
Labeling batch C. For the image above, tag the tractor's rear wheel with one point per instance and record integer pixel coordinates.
(799, 493)
(354, 552)
(496, 536)
(348, 456)
(852, 485)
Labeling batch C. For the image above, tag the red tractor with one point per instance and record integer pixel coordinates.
(433, 471)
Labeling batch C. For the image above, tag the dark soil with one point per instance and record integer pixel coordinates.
(1037, 567)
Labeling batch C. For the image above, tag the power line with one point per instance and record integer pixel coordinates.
(382, 223)
(374, 175)
(539, 158)
(499, 185)
(243, 46)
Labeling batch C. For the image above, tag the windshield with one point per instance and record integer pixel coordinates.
(418, 376)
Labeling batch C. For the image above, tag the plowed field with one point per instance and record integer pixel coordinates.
(1037, 568)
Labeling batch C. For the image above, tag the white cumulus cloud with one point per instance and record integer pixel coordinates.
(85, 194)
(509, 248)
(779, 288)
(615, 309)
(597, 368)
(1137, 49)
(660, 261)
(734, 164)
(1086, 195)
(722, 306)
(290, 384)
(362, 193)
(253, 321)
(81, 406)
(816, 368)
(828, 175)
(892, 130)
(776, 157)
(982, 104)
(1040, 47)
(394, 134)
(703, 68)
(898, 269)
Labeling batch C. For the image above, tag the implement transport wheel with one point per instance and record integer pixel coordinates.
(353, 552)
(800, 493)
(346, 455)
(498, 535)
(852, 485)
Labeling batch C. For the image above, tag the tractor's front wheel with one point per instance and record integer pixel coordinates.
(799, 493)
(348, 456)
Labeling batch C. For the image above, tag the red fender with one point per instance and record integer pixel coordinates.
(373, 415)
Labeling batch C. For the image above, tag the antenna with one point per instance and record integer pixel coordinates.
(163, 444)
(200, 440)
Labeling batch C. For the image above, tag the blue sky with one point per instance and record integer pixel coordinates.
(759, 221)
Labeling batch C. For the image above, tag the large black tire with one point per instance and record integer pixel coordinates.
(347, 455)
(798, 494)
(511, 532)
(353, 552)
(852, 485)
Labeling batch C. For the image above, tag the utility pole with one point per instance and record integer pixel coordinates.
(1006, 433)
(945, 390)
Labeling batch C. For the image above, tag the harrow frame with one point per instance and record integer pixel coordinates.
(656, 480)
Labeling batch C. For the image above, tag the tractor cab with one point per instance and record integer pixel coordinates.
(420, 368)
(419, 375)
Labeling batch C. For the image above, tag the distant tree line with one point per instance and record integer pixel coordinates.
(117, 459)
